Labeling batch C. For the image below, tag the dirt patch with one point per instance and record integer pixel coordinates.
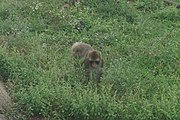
(5, 101)
(2, 117)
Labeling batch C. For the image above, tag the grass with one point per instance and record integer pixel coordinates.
(139, 41)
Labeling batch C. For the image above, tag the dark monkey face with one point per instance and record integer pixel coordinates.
(94, 59)
(94, 64)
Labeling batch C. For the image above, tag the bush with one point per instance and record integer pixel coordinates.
(149, 5)
(171, 14)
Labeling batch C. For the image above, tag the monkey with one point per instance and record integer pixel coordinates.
(92, 59)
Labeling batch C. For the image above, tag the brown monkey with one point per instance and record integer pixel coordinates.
(92, 59)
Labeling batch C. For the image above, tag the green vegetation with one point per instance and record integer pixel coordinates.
(140, 42)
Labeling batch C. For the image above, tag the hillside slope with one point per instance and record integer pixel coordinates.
(140, 44)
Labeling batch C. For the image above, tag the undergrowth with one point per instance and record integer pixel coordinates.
(139, 40)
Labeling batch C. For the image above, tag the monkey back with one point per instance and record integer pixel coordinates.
(80, 49)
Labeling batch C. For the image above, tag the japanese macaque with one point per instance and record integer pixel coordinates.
(92, 60)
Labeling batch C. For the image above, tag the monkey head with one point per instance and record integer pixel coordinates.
(94, 58)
